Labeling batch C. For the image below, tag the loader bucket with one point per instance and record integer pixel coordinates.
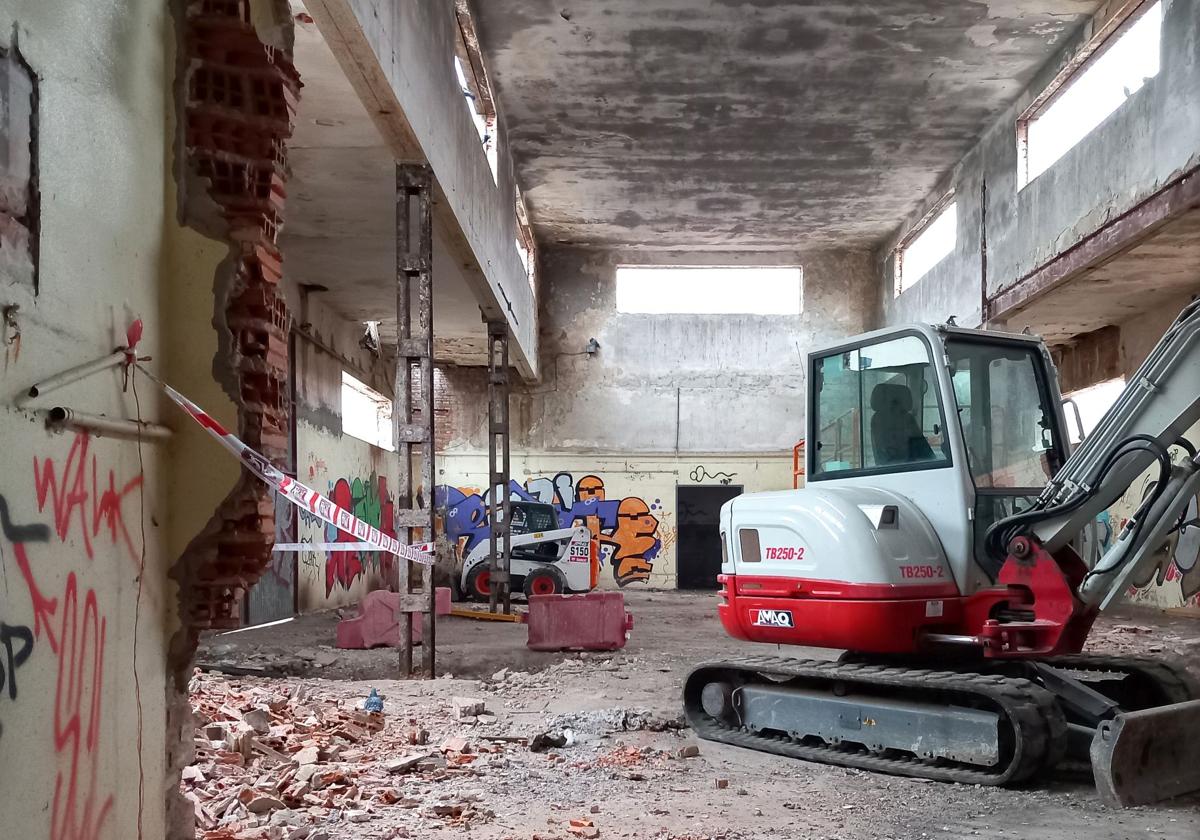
(1149, 755)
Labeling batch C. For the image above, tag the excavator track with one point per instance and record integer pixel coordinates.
(1032, 728)
(1164, 682)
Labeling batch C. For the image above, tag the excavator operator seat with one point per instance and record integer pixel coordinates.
(895, 435)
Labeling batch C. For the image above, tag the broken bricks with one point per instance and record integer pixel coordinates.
(583, 828)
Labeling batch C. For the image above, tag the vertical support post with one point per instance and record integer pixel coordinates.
(499, 505)
(412, 420)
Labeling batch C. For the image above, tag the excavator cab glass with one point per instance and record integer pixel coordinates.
(877, 410)
(1009, 425)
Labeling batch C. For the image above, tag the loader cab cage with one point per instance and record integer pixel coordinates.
(876, 408)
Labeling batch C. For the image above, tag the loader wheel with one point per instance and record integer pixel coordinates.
(479, 583)
(547, 581)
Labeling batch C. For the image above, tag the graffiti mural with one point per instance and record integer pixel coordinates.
(370, 500)
(627, 528)
(1177, 559)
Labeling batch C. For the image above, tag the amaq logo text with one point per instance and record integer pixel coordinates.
(771, 618)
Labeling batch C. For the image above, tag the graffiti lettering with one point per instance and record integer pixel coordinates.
(78, 494)
(627, 528)
(36, 532)
(13, 659)
(75, 634)
(700, 475)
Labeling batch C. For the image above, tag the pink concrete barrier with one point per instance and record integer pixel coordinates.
(595, 621)
(377, 623)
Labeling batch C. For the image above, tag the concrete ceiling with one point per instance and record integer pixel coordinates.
(1156, 272)
(340, 218)
(751, 123)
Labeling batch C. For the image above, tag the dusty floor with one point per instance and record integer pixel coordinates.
(625, 778)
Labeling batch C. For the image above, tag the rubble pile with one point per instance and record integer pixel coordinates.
(276, 762)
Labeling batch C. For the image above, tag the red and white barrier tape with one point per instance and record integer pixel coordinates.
(298, 494)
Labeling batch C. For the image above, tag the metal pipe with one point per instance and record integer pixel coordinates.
(61, 416)
(952, 639)
(40, 389)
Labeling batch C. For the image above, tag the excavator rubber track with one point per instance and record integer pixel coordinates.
(1031, 725)
(1171, 682)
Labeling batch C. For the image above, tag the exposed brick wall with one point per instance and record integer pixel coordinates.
(18, 171)
(240, 97)
(459, 396)
(1088, 359)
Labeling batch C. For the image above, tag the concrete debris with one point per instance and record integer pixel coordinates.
(331, 765)
(690, 751)
(602, 722)
(467, 707)
(276, 766)
(405, 764)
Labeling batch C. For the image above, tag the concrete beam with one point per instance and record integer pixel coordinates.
(398, 56)
(1105, 243)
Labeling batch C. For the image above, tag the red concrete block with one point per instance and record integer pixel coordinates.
(376, 625)
(595, 621)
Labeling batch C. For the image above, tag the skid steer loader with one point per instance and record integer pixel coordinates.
(545, 559)
(933, 544)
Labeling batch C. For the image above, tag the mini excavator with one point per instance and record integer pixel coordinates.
(935, 544)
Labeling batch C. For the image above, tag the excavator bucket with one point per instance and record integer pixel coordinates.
(1149, 755)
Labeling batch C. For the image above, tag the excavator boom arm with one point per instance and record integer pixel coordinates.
(1159, 404)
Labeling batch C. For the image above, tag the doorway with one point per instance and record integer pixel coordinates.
(698, 547)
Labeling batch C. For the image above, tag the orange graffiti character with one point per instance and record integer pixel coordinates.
(635, 542)
(590, 487)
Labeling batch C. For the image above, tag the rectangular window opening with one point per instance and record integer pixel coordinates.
(712, 290)
(1075, 104)
(366, 413)
(485, 121)
(930, 242)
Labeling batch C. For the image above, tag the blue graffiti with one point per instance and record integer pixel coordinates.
(467, 515)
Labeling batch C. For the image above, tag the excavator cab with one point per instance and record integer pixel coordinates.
(957, 419)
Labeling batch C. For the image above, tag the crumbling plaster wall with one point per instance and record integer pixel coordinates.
(668, 400)
(1004, 233)
(89, 525)
(670, 383)
(357, 475)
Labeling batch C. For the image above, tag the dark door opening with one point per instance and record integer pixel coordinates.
(698, 547)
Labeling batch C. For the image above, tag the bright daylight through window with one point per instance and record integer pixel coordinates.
(1092, 402)
(482, 123)
(1106, 81)
(925, 250)
(366, 413)
(731, 290)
